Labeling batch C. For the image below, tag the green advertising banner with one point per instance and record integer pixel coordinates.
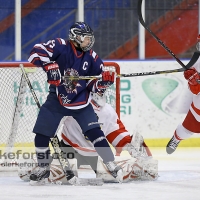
(153, 105)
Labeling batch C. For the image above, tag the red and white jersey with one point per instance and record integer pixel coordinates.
(192, 120)
(111, 125)
(191, 123)
(195, 89)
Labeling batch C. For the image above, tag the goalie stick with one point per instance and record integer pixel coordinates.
(57, 147)
(195, 54)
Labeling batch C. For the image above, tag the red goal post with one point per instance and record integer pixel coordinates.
(18, 110)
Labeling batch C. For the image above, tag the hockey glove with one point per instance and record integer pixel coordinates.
(107, 80)
(53, 73)
(191, 75)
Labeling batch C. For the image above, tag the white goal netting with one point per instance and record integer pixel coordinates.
(18, 110)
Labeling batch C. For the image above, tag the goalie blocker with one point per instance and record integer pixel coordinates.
(133, 170)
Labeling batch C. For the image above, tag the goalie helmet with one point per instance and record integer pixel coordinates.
(99, 98)
(83, 30)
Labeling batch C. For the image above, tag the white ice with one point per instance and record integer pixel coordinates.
(179, 178)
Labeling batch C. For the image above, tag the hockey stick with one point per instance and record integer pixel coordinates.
(124, 75)
(57, 146)
(190, 64)
(195, 54)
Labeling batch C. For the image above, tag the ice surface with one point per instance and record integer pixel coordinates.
(179, 178)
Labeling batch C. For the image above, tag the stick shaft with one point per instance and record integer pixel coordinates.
(141, 20)
(54, 141)
(124, 75)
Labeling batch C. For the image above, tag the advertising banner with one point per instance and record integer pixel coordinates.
(153, 105)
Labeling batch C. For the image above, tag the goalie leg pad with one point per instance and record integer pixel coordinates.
(25, 167)
(150, 168)
(103, 172)
(133, 169)
(124, 163)
(57, 176)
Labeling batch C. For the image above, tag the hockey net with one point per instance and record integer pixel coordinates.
(18, 110)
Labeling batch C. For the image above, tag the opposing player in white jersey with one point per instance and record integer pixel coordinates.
(77, 146)
(141, 166)
(112, 126)
(191, 123)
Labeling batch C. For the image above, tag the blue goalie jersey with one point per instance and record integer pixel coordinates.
(72, 94)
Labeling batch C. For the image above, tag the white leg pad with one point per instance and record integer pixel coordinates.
(133, 169)
(57, 175)
(150, 168)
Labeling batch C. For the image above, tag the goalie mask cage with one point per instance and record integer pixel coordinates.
(18, 110)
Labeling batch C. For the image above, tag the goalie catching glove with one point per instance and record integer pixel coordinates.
(53, 73)
(108, 79)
